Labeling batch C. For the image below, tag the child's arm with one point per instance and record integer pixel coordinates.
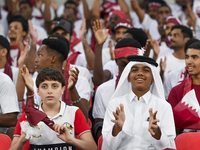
(18, 142)
(28, 81)
(86, 143)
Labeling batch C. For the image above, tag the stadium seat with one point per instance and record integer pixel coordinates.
(186, 141)
(5, 142)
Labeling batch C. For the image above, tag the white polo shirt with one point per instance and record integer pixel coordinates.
(68, 115)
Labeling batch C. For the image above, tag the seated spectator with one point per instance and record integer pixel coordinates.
(50, 86)
(183, 95)
(137, 117)
(104, 92)
(8, 103)
(11, 71)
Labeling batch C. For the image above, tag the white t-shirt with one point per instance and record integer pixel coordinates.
(15, 72)
(135, 134)
(151, 25)
(173, 78)
(102, 96)
(112, 67)
(172, 63)
(8, 96)
(4, 22)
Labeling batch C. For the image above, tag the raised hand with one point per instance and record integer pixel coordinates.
(33, 32)
(190, 16)
(28, 81)
(153, 127)
(156, 48)
(163, 64)
(73, 77)
(23, 56)
(119, 116)
(54, 4)
(83, 30)
(38, 3)
(100, 36)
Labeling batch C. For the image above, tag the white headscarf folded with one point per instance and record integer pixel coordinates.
(124, 87)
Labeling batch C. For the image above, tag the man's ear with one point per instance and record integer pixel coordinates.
(63, 89)
(53, 59)
(186, 39)
(24, 33)
(3, 52)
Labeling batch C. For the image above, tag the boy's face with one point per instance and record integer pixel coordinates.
(43, 59)
(50, 92)
(140, 77)
(192, 60)
(15, 29)
(120, 31)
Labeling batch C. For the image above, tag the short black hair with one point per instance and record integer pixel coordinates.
(195, 45)
(57, 47)
(186, 31)
(128, 42)
(69, 2)
(5, 44)
(189, 42)
(139, 35)
(165, 5)
(22, 20)
(50, 74)
(26, 2)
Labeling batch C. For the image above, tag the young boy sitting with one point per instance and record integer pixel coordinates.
(129, 121)
(51, 85)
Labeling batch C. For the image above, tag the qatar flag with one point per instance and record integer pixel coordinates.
(187, 112)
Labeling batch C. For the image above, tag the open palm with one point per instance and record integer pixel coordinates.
(100, 36)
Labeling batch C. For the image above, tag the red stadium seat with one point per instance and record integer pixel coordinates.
(186, 141)
(5, 142)
(100, 141)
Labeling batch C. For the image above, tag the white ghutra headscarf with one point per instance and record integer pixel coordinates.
(124, 87)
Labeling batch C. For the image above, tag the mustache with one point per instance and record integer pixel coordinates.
(172, 41)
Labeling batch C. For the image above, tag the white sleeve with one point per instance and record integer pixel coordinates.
(81, 60)
(83, 88)
(98, 107)
(8, 95)
(167, 85)
(167, 130)
(110, 142)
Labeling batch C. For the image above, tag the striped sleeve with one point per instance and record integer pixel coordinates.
(80, 124)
